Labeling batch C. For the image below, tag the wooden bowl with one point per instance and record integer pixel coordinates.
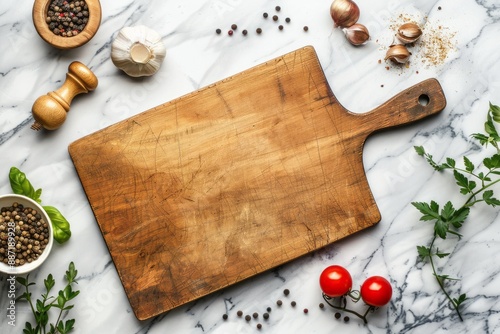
(40, 9)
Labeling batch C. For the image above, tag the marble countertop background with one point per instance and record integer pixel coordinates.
(459, 47)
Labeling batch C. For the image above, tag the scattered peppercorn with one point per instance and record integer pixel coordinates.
(265, 15)
(255, 315)
(244, 32)
(234, 26)
(266, 316)
(269, 309)
(224, 316)
(321, 305)
(293, 303)
(286, 292)
(278, 8)
(239, 313)
(280, 27)
(248, 318)
(279, 302)
(337, 315)
(275, 17)
(439, 8)
(306, 28)
(346, 319)
(259, 326)
(259, 31)
(287, 20)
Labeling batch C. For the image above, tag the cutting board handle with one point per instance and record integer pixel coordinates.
(419, 101)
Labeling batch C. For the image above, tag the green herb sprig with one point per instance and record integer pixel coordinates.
(22, 186)
(474, 183)
(42, 306)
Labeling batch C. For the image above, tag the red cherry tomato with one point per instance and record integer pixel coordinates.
(335, 281)
(376, 291)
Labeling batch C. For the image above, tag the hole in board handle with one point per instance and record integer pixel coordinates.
(424, 100)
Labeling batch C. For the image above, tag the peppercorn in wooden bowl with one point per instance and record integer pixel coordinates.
(26, 236)
(67, 24)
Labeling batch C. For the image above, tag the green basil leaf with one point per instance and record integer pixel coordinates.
(22, 186)
(60, 225)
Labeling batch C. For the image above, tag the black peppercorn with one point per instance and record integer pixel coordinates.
(266, 316)
(234, 26)
(259, 326)
(265, 15)
(306, 28)
(255, 315)
(279, 302)
(269, 309)
(259, 31)
(286, 292)
(239, 313)
(287, 20)
(224, 316)
(293, 303)
(275, 18)
(321, 305)
(244, 32)
(278, 8)
(280, 27)
(248, 318)
(346, 319)
(218, 31)
(337, 315)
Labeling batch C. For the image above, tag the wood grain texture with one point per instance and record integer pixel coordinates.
(232, 180)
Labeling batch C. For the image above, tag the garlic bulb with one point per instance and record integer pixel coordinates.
(344, 13)
(398, 54)
(409, 33)
(357, 34)
(138, 51)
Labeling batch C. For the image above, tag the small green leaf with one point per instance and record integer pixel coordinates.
(420, 150)
(462, 298)
(465, 185)
(423, 251)
(22, 186)
(60, 225)
(430, 212)
(49, 283)
(489, 199)
(21, 280)
(459, 217)
(451, 163)
(492, 162)
(71, 273)
(483, 140)
(469, 166)
(448, 211)
(441, 228)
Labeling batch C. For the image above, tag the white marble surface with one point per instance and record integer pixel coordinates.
(197, 57)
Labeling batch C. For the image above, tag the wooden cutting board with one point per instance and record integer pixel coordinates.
(234, 179)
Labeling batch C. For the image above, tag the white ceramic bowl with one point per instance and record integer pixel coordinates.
(7, 201)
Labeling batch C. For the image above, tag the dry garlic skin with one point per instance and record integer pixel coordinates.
(138, 51)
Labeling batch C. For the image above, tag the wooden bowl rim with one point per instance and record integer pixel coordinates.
(40, 8)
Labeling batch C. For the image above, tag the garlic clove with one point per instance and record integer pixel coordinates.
(138, 51)
(409, 33)
(357, 34)
(344, 13)
(398, 54)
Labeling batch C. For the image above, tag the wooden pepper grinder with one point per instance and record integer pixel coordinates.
(50, 110)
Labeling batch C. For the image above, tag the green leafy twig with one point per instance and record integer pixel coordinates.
(42, 306)
(22, 186)
(448, 220)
